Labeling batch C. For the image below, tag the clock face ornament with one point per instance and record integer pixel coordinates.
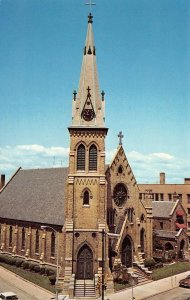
(88, 111)
(120, 194)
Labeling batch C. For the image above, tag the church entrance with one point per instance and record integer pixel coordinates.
(126, 252)
(85, 263)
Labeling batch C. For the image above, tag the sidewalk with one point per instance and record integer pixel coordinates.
(142, 292)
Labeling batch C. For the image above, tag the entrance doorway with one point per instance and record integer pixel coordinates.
(85, 263)
(126, 252)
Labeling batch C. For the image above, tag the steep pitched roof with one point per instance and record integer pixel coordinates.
(35, 195)
(163, 209)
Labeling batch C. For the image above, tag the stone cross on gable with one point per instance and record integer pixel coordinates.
(120, 136)
(90, 4)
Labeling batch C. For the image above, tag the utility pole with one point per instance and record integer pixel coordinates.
(103, 263)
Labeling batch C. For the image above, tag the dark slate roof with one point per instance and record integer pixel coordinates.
(166, 234)
(35, 195)
(162, 209)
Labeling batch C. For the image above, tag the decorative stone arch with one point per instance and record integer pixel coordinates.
(84, 266)
(127, 251)
(168, 246)
(86, 195)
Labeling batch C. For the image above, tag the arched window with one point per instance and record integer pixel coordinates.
(53, 244)
(10, 236)
(23, 238)
(37, 242)
(120, 170)
(86, 198)
(81, 158)
(93, 158)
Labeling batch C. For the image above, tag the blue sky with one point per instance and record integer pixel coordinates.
(143, 56)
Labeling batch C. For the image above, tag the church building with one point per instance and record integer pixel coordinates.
(84, 213)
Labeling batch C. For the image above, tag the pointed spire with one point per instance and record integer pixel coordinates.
(88, 90)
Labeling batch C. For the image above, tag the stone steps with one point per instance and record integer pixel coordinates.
(84, 289)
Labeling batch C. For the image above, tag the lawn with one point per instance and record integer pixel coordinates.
(36, 278)
(169, 270)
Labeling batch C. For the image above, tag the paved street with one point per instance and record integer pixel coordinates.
(174, 294)
(25, 290)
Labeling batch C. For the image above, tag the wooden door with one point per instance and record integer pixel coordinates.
(85, 263)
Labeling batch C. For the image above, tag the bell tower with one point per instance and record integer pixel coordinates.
(85, 204)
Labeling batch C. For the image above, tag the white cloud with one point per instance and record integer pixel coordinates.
(146, 167)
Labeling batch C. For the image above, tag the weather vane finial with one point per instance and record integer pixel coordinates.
(90, 4)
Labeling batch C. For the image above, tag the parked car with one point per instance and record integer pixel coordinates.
(185, 282)
(61, 297)
(8, 296)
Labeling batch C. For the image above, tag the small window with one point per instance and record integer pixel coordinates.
(188, 198)
(10, 236)
(86, 198)
(53, 244)
(81, 158)
(170, 197)
(161, 197)
(93, 158)
(156, 197)
(120, 170)
(188, 211)
(37, 242)
(161, 225)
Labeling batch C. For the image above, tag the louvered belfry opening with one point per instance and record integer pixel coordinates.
(93, 158)
(81, 158)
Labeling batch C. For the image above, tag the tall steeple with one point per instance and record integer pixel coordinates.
(88, 104)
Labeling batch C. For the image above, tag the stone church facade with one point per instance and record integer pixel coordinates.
(82, 205)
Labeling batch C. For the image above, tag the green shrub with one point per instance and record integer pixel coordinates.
(37, 269)
(49, 271)
(31, 266)
(25, 265)
(149, 262)
(18, 263)
(52, 279)
(42, 271)
(8, 259)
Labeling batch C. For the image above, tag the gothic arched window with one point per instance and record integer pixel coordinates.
(23, 238)
(93, 158)
(37, 242)
(10, 236)
(86, 198)
(81, 158)
(53, 244)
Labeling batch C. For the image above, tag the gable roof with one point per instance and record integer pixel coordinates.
(35, 195)
(163, 209)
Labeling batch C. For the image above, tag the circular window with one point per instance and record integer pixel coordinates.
(119, 194)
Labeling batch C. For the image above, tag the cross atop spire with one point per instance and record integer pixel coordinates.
(120, 136)
(90, 4)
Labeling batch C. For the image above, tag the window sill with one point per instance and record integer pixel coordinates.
(37, 254)
(52, 257)
(86, 205)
